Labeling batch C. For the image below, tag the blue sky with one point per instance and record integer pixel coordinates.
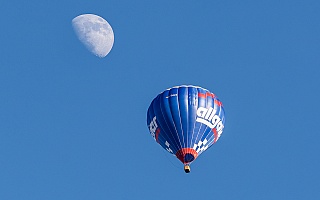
(73, 126)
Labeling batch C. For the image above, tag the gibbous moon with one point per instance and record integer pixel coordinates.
(95, 33)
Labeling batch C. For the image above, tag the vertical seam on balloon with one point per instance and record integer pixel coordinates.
(214, 138)
(162, 133)
(159, 137)
(206, 127)
(179, 111)
(211, 130)
(195, 121)
(174, 141)
(187, 106)
(175, 127)
(220, 108)
(200, 123)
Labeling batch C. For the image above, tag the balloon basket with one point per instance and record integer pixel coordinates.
(187, 169)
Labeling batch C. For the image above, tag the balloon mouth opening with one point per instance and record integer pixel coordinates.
(186, 155)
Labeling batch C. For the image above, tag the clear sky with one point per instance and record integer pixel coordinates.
(73, 126)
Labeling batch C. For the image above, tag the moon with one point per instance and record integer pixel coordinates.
(95, 33)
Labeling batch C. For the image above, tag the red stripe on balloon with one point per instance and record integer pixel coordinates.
(157, 134)
(215, 134)
(201, 95)
(205, 95)
(219, 103)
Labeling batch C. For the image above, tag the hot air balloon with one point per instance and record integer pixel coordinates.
(186, 120)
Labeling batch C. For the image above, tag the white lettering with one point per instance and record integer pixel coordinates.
(215, 120)
(212, 114)
(209, 118)
(153, 126)
(208, 113)
(201, 112)
(220, 126)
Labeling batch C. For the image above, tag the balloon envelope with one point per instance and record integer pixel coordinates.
(186, 121)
